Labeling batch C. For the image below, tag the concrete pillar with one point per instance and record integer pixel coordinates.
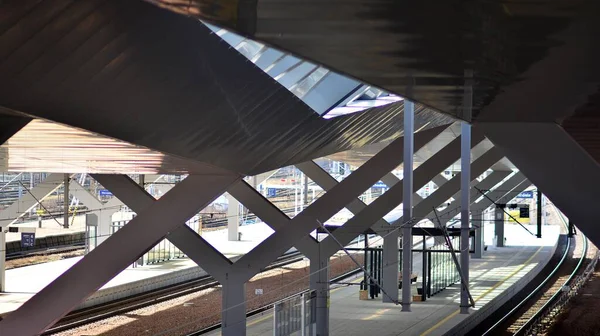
(465, 191)
(407, 196)
(67, 178)
(478, 221)
(499, 226)
(233, 218)
(319, 282)
(390, 266)
(233, 316)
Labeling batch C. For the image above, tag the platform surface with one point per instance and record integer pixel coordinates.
(499, 268)
(494, 273)
(22, 283)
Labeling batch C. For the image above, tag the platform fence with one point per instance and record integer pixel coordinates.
(161, 252)
(295, 316)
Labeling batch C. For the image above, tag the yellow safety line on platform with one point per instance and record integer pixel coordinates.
(270, 315)
(437, 325)
(377, 313)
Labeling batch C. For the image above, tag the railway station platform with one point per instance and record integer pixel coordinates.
(23, 282)
(491, 277)
(494, 279)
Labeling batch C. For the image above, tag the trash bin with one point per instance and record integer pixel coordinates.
(363, 292)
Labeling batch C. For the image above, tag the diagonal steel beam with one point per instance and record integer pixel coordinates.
(388, 201)
(513, 193)
(327, 182)
(509, 187)
(490, 181)
(189, 242)
(84, 195)
(268, 213)
(438, 197)
(321, 210)
(115, 254)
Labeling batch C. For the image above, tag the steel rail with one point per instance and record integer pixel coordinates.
(103, 311)
(538, 290)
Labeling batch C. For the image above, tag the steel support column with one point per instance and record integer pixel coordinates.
(465, 188)
(233, 315)
(499, 225)
(477, 217)
(407, 201)
(319, 282)
(115, 254)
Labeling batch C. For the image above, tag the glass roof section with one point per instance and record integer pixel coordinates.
(328, 93)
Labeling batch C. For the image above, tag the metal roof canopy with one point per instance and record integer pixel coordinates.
(140, 74)
(418, 49)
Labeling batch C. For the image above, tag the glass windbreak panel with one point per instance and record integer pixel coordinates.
(294, 75)
(283, 65)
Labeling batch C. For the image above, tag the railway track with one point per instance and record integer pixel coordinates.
(518, 316)
(85, 316)
(45, 251)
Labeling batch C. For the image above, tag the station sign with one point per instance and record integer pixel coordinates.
(271, 192)
(380, 185)
(27, 239)
(525, 194)
(104, 193)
